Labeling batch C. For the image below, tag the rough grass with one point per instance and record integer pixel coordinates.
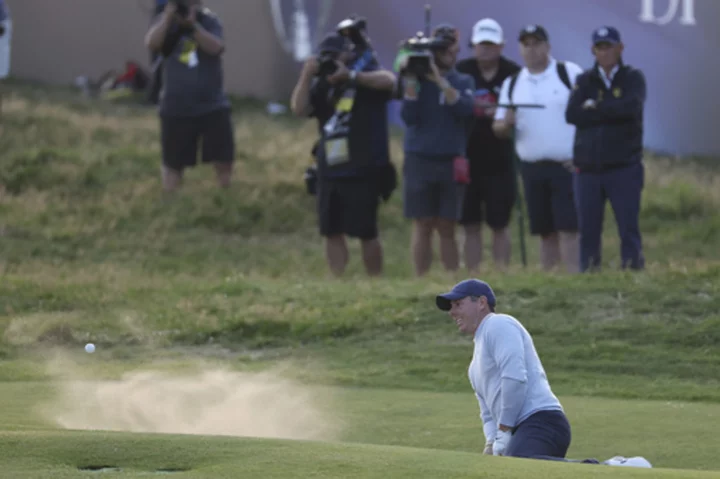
(90, 250)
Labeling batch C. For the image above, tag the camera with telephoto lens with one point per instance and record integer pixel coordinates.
(421, 49)
(311, 180)
(353, 28)
(326, 64)
(183, 9)
(311, 174)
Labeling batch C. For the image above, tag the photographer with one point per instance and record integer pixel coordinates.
(437, 109)
(5, 37)
(349, 101)
(193, 104)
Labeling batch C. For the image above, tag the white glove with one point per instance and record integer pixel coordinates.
(488, 448)
(502, 439)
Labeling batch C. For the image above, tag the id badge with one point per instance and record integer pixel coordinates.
(193, 60)
(336, 151)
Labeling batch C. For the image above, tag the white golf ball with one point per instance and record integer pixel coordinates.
(89, 348)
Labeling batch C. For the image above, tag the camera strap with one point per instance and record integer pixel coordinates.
(337, 128)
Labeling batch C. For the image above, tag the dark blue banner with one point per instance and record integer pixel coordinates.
(672, 41)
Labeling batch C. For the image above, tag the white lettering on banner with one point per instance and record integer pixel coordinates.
(687, 16)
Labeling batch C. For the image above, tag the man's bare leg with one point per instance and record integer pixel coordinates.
(421, 245)
(336, 254)
(549, 251)
(171, 178)
(473, 247)
(372, 254)
(570, 251)
(448, 245)
(501, 248)
(223, 172)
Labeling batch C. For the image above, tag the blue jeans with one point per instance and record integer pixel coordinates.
(545, 435)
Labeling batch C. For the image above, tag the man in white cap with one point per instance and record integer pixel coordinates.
(492, 191)
(521, 415)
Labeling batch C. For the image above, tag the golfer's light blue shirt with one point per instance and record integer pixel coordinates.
(507, 375)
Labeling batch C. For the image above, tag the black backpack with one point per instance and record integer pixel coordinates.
(562, 73)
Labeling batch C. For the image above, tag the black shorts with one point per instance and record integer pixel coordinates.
(348, 206)
(549, 197)
(491, 199)
(180, 138)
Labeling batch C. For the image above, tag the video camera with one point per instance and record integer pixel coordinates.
(420, 50)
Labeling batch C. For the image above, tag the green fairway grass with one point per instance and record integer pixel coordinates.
(235, 281)
(667, 433)
(437, 433)
(59, 455)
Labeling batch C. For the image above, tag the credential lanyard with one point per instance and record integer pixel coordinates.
(344, 105)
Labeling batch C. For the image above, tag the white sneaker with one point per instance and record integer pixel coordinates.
(638, 461)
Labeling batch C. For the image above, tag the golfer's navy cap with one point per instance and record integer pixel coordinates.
(606, 35)
(468, 287)
(334, 43)
(537, 31)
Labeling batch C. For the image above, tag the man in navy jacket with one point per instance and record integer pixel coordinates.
(606, 108)
(437, 110)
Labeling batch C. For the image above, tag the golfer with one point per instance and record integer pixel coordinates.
(5, 40)
(521, 415)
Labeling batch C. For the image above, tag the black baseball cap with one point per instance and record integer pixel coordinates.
(468, 287)
(537, 31)
(446, 32)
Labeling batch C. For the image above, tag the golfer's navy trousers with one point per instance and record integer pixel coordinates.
(544, 435)
(622, 187)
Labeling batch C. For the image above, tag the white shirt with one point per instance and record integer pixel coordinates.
(505, 350)
(541, 133)
(607, 79)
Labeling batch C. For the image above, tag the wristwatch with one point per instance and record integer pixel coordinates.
(353, 76)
